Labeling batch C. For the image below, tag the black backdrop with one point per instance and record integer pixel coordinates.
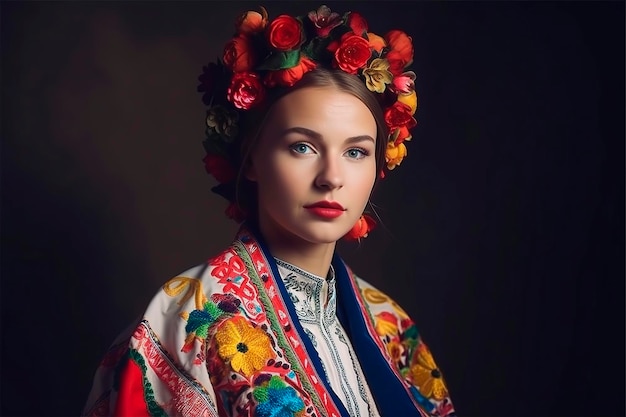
(503, 230)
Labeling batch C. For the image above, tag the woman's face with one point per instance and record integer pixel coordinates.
(314, 165)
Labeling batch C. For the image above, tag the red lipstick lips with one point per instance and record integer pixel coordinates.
(326, 209)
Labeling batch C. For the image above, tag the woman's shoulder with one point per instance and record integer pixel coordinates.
(379, 303)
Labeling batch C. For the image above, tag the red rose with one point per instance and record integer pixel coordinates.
(289, 76)
(219, 167)
(239, 54)
(399, 115)
(285, 33)
(246, 90)
(353, 53)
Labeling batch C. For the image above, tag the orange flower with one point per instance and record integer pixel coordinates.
(377, 43)
(285, 33)
(289, 76)
(410, 100)
(401, 51)
(394, 154)
(239, 54)
(252, 22)
(357, 23)
(361, 229)
(425, 374)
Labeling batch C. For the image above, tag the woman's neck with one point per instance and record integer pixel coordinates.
(314, 258)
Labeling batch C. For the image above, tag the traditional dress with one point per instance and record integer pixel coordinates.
(248, 335)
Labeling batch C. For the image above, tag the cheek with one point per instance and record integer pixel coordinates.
(275, 178)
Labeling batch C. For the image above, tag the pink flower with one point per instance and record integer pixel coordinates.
(404, 83)
(324, 20)
(246, 90)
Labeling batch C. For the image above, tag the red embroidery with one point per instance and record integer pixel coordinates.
(186, 399)
(285, 322)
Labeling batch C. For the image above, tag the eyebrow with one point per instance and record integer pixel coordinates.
(315, 135)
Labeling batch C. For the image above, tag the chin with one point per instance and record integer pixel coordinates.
(323, 234)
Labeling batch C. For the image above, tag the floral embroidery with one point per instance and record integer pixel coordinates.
(386, 324)
(277, 399)
(426, 375)
(198, 323)
(408, 353)
(247, 348)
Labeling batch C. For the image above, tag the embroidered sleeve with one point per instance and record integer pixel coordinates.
(408, 352)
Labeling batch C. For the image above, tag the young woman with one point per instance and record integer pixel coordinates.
(304, 116)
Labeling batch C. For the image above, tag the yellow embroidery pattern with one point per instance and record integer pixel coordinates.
(177, 285)
(376, 297)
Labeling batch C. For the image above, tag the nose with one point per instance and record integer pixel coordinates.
(330, 175)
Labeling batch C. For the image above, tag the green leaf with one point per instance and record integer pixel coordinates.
(281, 60)
(261, 394)
(202, 331)
(212, 308)
(316, 49)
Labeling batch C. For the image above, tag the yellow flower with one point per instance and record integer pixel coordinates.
(394, 154)
(395, 350)
(410, 99)
(386, 324)
(247, 348)
(378, 75)
(426, 375)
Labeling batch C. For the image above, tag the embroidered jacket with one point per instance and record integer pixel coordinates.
(223, 339)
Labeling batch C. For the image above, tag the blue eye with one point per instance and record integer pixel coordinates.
(301, 148)
(356, 153)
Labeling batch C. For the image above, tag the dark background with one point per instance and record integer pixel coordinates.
(503, 229)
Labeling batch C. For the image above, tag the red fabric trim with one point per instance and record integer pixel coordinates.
(131, 400)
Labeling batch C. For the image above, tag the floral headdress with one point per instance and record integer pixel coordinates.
(266, 54)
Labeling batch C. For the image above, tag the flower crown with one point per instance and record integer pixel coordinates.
(267, 54)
